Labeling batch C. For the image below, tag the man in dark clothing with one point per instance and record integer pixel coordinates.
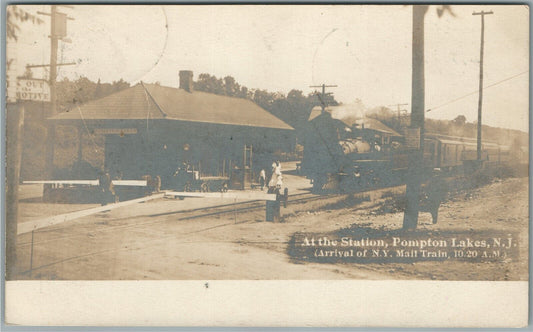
(107, 188)
(434, 193)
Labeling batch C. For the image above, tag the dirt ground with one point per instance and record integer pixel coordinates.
(149, 241)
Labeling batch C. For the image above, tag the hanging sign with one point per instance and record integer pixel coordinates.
(33, 89)
(115, 131)
(412, 138)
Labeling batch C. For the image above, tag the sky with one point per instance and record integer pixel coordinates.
(365, 50)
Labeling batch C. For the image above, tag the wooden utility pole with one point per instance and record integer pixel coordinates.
(398, 109)
(50, 135)
(415, 168)
(14, 132)
(480, 102)
(58, 31)
(322, 96)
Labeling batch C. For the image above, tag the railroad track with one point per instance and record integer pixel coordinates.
(236, 208)
(241, 207)
(191, 214)
(183, 215)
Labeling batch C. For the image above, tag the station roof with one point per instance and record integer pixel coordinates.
(150, 101)
(376, 125)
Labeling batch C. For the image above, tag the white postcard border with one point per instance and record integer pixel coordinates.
(268, 303)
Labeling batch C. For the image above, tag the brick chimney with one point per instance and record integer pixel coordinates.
(186, 80)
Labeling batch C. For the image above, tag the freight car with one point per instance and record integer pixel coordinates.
(343, 158)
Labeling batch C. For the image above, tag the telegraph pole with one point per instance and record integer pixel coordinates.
(415, 132)
(14, 128)
(398, 107)
(322, 96)
(58, 30)
(53, 61)
(14, 133)
(480, 102)
(14, 125)
(50, 135)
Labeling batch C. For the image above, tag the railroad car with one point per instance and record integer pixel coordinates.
(450, 153)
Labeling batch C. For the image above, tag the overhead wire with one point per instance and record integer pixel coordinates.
(477, 91)
(87, 129)
(148, 109)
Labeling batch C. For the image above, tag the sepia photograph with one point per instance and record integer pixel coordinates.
(267, 143)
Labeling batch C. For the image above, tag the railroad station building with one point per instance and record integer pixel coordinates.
(151, 129)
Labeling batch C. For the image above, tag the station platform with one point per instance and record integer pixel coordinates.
(32, 209)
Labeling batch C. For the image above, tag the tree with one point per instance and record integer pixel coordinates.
(295, 95)
(120, 85)
(211, 84)
(231, 87)
(460, 120)
(98, 93)
(13, 15)
(244, 93)
(294, 108)
(72, 93)
(263, 98)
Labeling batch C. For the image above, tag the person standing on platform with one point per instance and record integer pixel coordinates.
(107, 188)
(262, 179)
(279, 181)
(276, 180)
(278, 165)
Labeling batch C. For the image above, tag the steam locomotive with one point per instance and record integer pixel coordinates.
(343, 157)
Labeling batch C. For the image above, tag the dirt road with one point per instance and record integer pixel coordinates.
(148, 241)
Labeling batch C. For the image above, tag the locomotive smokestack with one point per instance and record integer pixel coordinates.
(186, 82)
